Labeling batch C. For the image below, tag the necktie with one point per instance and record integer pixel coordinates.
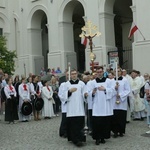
(25, 87)
(10, 87)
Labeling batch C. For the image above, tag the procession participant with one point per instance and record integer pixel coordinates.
(122, 90)
(24, 97)
(0, 95)
(16, 84)
(37, 95)
(110, 75)
(139, 106)
(89, 101)
(63, 125)
(31, 88)
(130, 97)
(102, 110)
(75, 109)
(47, 96)
(40, 83)
(3, 84)
(147, 101)
(55, 86)
(11, 112)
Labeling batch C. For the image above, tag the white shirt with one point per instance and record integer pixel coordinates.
(9, 92)
(24, 94)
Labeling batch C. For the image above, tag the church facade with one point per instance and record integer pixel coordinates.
(45, 33)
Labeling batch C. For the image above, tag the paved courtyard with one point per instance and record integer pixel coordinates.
(43, 135)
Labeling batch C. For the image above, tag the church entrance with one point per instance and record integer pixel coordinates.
(39, 40)
(122, 23)
(73, 21)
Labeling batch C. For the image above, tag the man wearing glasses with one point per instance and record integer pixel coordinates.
(102, 107)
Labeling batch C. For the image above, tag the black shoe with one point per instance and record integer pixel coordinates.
(23, 120)
(115, 135)
(63, 136)
(90, 133)
(127, 121)
(79, 144)
(97, 142)
(103, 141)
(136, 119)
(142, 119)
(121, 135)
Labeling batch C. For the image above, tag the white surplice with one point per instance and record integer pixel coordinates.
(47, 97)
(75, 102)
(138, 102)
(61, 94)
(123, 91)
(102, 100)
(89, 100)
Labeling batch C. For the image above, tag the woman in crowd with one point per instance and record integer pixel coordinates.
(55, 87)
(16, 84)
(11, 112)
(47, 96)
(24, 97)
(37, 94)
(31, 88)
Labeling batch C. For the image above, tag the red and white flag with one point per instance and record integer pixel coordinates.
(84, 41)
(133, 29)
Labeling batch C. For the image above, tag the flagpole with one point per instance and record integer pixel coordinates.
(69, 64)
(140, 32)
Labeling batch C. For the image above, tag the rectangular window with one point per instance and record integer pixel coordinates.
(2, 3)
(1, 31)
(34, 0)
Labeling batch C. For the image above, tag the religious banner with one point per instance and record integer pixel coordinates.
(113, 57)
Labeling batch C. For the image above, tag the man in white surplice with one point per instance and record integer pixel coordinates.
(139, 106)
(75, 109)
(61, 94)
(102, 107)
(122, 91)
(130, 97)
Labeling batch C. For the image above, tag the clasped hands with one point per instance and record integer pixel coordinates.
(117, 86)
(25, 100)
(72, 90)
(100, 88)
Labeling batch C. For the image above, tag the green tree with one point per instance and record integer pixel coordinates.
(7, 63)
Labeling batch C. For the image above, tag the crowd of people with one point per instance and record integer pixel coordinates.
(98, 103)
(21, 98)
(43, 72)
(111, 98)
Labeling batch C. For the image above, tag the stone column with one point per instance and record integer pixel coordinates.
(66, 46)
(107, 39)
